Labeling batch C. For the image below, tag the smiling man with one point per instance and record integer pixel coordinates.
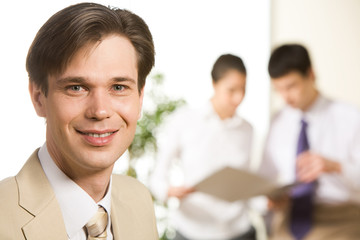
(87, 68)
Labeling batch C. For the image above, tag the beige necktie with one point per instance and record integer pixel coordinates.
(96, 227)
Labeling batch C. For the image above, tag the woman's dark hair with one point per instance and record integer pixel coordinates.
(225, 63)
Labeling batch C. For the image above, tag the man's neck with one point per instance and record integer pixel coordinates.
(95, 185)
(311, 101)
(93, 181)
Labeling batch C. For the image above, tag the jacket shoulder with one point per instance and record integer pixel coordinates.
(14, 215)
(133, 201)
(128, 187)
(8, 191)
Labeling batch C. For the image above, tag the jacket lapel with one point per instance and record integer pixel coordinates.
(132, 216)
(38, 199)
(121, 222)
(115, 222)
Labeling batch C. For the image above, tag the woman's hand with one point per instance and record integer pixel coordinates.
(179, 192)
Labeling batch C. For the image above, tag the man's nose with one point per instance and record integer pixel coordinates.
(99, 105)
(285, 95)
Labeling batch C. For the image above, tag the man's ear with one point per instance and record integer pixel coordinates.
(38, 99)
(141, 102)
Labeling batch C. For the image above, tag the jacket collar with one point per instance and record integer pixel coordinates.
(122, 224)
(38, 199)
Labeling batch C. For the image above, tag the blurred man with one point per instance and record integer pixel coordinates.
(87, 67)
(314, 141)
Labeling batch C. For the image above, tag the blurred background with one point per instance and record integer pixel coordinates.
(189, 35)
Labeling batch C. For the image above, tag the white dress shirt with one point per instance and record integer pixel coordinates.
(204, 144)
(333, 132)
(76, 205)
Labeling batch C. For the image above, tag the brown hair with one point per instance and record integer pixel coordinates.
(225, 63)
(288, 58)
(70, 29)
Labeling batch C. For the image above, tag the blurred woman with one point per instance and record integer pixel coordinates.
(204, 141)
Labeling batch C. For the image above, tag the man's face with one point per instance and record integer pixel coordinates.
(230, 91)
(296, 89)
(92, 108)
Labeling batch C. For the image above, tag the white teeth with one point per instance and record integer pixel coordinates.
(98, 135)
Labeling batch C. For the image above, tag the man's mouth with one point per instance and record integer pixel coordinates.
(98, 135)
(98, 138)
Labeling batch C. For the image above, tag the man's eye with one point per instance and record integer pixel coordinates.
(75, 88)
(118, 87)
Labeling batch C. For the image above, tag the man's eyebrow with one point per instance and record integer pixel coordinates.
(73, 79)
(124, 79)
(70, 80)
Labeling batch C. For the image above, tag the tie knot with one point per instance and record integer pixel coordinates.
(304, 123)
(303, 143)
(96, 227)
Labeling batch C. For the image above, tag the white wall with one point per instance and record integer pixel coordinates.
(331, 31)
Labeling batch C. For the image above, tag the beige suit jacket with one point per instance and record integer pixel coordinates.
(29, 209)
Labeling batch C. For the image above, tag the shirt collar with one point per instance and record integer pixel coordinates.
(208, 112)
(318, 105)
(76, 205)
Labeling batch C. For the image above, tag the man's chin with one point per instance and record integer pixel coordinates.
(98, 155)
(293, 105)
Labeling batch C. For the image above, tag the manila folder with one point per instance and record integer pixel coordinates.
(232, 184)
